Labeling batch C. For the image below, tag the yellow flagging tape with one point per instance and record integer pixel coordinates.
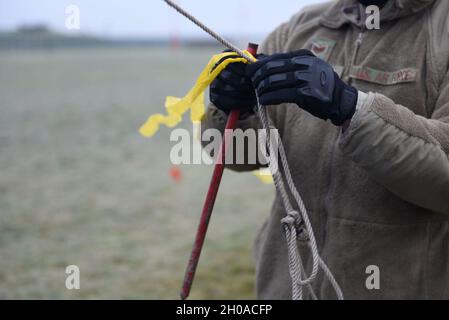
(194, 101)
(264, 175)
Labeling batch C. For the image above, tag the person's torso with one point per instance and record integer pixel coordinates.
(358, 223)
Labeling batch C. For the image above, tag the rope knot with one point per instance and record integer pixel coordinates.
(292, 219)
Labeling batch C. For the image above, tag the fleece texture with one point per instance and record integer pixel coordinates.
(377, 194)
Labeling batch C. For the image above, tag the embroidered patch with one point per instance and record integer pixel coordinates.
(383, 77)
(322, 48)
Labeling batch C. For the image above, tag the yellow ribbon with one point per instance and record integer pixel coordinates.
(194, 100)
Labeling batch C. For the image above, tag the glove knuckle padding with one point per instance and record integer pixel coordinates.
(305, 80)
(318, 79)
(307, 75)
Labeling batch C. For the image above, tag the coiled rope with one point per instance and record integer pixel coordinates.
(295, 223)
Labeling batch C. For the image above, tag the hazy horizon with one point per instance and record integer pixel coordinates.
(151, 19)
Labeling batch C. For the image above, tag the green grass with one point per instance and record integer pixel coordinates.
(79, 185)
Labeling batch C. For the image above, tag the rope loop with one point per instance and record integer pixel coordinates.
(292, 218)
(296, 224)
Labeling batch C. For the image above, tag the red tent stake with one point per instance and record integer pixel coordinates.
(210, 198)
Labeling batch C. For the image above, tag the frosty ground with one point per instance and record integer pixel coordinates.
(79, 185)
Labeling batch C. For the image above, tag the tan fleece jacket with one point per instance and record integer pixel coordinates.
(378, 194)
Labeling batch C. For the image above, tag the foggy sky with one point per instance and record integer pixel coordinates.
(152, 18)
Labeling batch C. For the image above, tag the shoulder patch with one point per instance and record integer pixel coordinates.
(322, 48)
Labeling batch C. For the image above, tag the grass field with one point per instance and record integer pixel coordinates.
(79, 185)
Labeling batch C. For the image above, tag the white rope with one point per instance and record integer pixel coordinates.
(208, 30)
(294, 221)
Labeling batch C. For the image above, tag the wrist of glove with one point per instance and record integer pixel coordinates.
(302, 78)
(232, 89)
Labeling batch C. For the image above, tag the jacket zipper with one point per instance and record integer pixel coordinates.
(358, 44)
(332, 165)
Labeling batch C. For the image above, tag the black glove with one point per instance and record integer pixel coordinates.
(305, 80)
(232, 89)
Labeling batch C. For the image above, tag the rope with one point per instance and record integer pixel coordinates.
(208, 30)
(294, 221)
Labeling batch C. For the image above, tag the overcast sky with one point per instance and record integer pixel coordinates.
(153, 18)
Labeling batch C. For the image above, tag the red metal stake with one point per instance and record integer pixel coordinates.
(210, 198)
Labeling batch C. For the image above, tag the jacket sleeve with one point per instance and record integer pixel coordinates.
(405, 152)
(216, 119)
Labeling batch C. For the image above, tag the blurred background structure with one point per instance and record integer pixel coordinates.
(80, 186)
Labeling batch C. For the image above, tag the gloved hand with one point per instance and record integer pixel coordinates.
(305, 80)
(232, 89)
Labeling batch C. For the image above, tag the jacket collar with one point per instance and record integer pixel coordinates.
(350, 11)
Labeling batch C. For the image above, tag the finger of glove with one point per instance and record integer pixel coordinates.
(276, 67)
(252, 68)
(293, 95)
(295, 79)
(234, 80)
(286, 95)
(220, 89)
(238, 68)
(228, 103)
(219, 86)
(282, 74)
